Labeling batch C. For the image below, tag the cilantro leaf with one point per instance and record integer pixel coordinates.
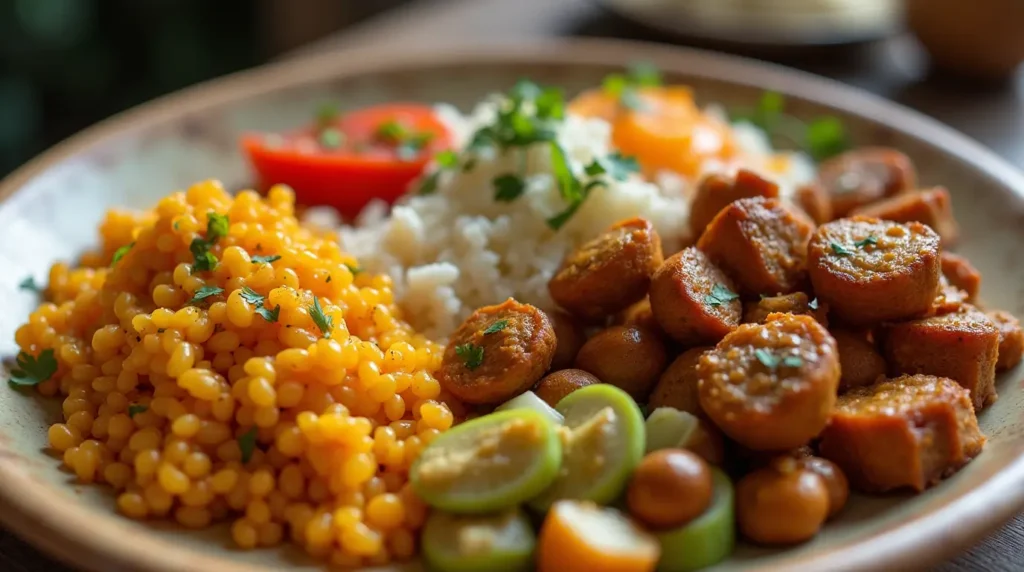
(204, 260)
(839, 249)
(331, 138)
(136, 408)
(869, 240)
(550, 103)
(825, 137)
(353, 269)
(645, 74)
(33, 370)
(630, 99)
(269, 315)
(205, 292)
(792, 361)
(766, 357)
(260, 259)
(216, 227)
(322, 321)
(327, 115)
(508, 187)
(621, 166)
(625, 86)
(568, 185)
(720, 295)
(821, 138)
(471, 354)
(247, 443)
(251, 296)
(120, 252)
(496, 327)
(29, 283)
(428, 185)
(813, 304)
(391, 131)
(447, 159)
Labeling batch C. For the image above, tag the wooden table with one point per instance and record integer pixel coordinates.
(895, 69)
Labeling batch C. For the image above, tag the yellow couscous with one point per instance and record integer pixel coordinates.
(219, 361)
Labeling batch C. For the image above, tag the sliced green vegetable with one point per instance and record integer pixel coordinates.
(668, 428)
(603, 441)
(529, 400)
(503, 542)
(490, 463)
(706, 540)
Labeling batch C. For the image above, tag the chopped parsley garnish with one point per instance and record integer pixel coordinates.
(33, 370)
(407, 143)
(327, 115)
(508, 187)
(869, 240)
(821, 138)
(216, 227)
(247, 444)
(720, 295)
(331, 138)
(446, 160)
(329, 278)
(616, 165)
(471, 354)
(136, 408)
(260, 259)
(813, 304)
(322, 321)
(29, 283)
(572, 190)
(351, 268)
(772, 361)
(496, 327)
(839, 249)
(625, 86)
(205, 292)
(120, 252)
(256, 299)
(390, 131)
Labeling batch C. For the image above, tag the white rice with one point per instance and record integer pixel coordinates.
(458, 249)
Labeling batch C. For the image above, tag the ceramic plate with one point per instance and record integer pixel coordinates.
(50, 209)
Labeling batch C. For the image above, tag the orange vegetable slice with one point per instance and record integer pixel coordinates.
(582, 536)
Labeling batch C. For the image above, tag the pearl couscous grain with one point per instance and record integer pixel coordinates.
(219, 361)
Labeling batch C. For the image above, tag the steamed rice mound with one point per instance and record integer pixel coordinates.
(246, 406)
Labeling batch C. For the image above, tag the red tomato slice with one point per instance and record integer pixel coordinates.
(352, 160)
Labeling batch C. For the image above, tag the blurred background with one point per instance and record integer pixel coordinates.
(66, 64)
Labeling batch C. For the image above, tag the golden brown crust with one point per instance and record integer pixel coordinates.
(869, 270)
(1011, 339)
(771, 386)
(814, 200)
(716, 191)
(628, 357)
(931, 207)
(678, 385)
(761, 243)
(610, 272)
(863, 176)
(962, 274)
(505, 349)
(962, 346)
(907, 432)
(860, 362)
(693, 301)
(795, 303)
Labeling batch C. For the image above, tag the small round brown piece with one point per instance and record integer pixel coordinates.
(961, 274)
(669, 488)
(930, 206)
(693, 301)
(610, 272)
(569, 337)
(716, 191)
(835, 481)
(863, 176)
(860, 362)
(628, 357)
(639, 314)
(497, 353)
(869, 271)
(1011, 339)
(781, 506)
(762, 243)
(677, 386)
(557, 384)
(771, 386)
(814, 201)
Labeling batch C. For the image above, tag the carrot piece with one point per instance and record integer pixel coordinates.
(581, 536)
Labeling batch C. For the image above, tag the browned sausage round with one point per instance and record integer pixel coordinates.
(677, 386)
(795, 303)
(1011, 339)
(783, 504)
(716, 191)
(859, 361)
(497, 353)
(692, 300)
(814, 201)
(761, 243)
(962, 274)
(628, 357)
(771, 386)
(569, 336)
(610, 272)
(869, 270)
(639, 314)
(949, 299)
(931, 207)
(905, 432)
(554, 386)
(863, 176)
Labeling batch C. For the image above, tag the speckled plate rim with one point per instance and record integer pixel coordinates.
(28, 509)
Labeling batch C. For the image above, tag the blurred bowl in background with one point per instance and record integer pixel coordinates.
(982, 39)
